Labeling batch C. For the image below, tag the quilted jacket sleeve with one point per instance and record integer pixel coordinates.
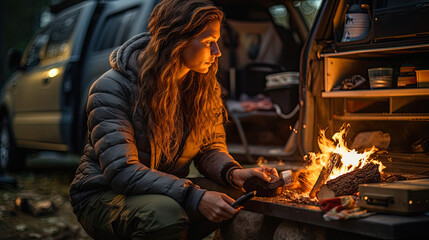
(112, 136)
(214, 161)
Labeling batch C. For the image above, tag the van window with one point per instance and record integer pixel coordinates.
(280, 15)
(60, 34)
(308, 10)
(116, 29)
(283, 18)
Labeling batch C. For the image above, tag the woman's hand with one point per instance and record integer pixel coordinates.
(215, 206)
(241, 175)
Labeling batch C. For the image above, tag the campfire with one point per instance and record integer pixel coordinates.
(327, 189)
(335, 171)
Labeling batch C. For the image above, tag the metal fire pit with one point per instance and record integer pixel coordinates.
(380, 226)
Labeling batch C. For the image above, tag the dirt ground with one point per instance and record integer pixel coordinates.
(44, 185)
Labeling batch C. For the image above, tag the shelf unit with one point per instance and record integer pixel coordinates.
(402, 112)
(381, 117)
(394, 101)
(341, 65)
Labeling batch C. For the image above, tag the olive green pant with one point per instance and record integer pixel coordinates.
(149, 216)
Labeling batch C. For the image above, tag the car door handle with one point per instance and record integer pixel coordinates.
(46, 80)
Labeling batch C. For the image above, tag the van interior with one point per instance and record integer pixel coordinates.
(391, 59)
(259, 71)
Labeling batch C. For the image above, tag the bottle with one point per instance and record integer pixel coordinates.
(356, 23)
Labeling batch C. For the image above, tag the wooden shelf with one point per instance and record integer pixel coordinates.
(373, 93)
(383, 51)
(382, 117)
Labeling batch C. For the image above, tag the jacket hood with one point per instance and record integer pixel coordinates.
(124, 58)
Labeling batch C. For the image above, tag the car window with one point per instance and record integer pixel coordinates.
(35, 48)
(60, 35)
(116, 29)
(53, 40)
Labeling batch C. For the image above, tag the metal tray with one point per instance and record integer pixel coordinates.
(402, 197)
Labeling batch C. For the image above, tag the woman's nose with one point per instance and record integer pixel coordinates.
(215, 51)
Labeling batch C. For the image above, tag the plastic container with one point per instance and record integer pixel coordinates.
(422, 78)
(380, 77)
(282, 88)
(356, 25)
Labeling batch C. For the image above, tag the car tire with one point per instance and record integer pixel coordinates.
(11, 158)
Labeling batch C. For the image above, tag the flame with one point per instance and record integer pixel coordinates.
(351, 159)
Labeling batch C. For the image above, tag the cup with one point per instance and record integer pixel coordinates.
(380, 77)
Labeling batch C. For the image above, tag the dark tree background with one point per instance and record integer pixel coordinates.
(19, 20)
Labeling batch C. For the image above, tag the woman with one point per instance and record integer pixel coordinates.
(158, 109)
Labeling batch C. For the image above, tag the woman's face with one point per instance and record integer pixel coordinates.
(202, 51)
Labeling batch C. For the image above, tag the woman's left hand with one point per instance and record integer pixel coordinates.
(241, 175)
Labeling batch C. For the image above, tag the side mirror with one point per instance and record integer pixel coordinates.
(14, 56)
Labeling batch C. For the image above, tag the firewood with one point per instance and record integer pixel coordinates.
(304, 184)
(324, 173)
(348, 184)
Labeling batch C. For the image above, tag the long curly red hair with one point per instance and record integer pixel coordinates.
(171, 107)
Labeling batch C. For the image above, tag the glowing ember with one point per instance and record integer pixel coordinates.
(350, 160)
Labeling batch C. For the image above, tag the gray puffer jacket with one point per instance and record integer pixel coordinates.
(118, 153)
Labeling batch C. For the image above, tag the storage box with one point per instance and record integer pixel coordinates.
(402, 197)
(422, 78)
(405, 81)
(401, 19)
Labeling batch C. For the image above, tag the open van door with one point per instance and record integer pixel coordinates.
(376, 83)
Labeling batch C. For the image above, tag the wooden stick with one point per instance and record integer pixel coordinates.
(324, 174)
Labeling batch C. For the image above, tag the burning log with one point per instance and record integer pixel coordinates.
(304, 184)
(334, 159)
(348, 183)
